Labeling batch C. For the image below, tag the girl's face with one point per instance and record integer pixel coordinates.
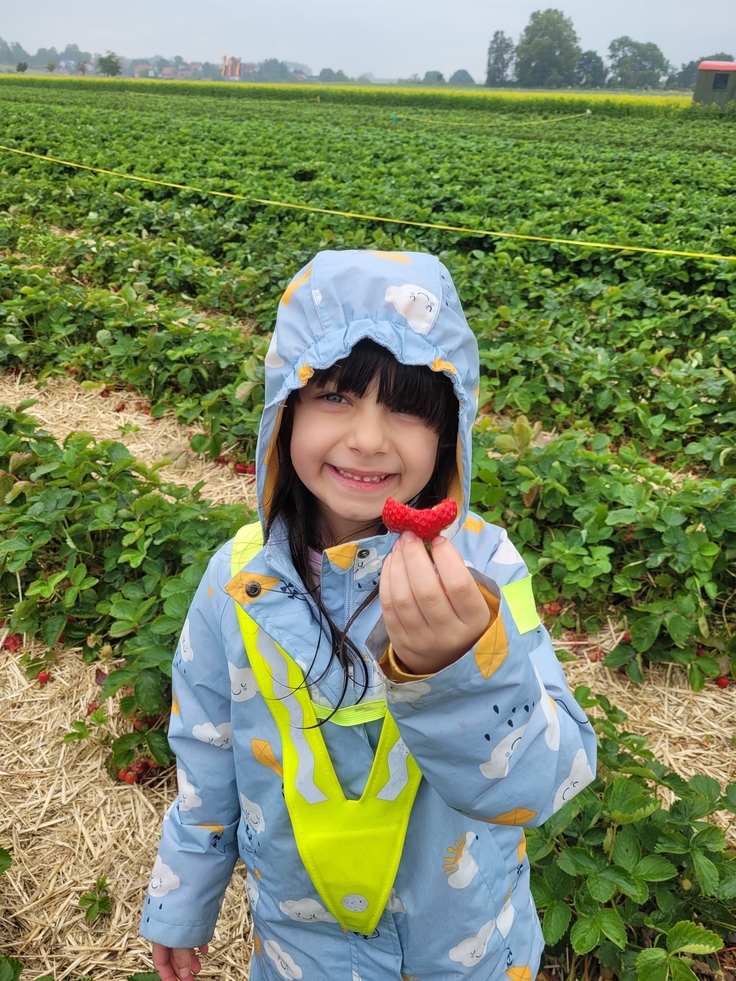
(352, 453)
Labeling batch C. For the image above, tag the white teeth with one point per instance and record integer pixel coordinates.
(355, 476)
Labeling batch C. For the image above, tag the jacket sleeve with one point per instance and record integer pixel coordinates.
(198, 846)
(497, 734)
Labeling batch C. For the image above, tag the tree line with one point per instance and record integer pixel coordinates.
(548, 55)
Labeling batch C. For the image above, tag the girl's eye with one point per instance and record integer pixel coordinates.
(334, 398)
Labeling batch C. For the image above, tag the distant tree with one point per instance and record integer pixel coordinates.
(21, 67)
(636, 65)
(461, 77)
(433, 78)
(72, 53)
(109, 65)
(548, 51)
(82, 67)
(273, 70)
(500, 59)
(688, 73)
(50, 66)
(590, 72)
(327, 75)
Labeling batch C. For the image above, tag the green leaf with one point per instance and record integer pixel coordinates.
(150, 692)
(655, 868)
(651, 965)
(158, 746)
(556, 920)
(644, 632)
(687, 937)
(6, 860)
(612, 926)
(601, 889)
(143, 976)
(679, 628)
(626, 850)
(629, 885)
(706, 872)
(680, 971)
(53, 628)
(576, 861)
(705, 785)
(10, 969)
(585, 935)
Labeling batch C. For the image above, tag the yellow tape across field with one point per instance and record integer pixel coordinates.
(577, 243)
(498, 122)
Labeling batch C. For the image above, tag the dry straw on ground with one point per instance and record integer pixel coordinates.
(63, 407)
(66, 823)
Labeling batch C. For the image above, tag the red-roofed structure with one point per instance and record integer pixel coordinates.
(716, 82)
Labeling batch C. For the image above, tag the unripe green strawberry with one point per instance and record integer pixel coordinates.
(426, 523)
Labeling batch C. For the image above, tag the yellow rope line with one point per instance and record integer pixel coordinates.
(579, 243)
(533, 122)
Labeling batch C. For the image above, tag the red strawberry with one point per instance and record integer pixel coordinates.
(122, 774)
(120, 408)
(43, 677)
(241, 468)
(426, 523)
(13, 642)
(131, 777)
(723, 681)
(627, 637)
(92, 707)
(554, 608)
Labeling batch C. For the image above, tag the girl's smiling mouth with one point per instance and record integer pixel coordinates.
(361, 479)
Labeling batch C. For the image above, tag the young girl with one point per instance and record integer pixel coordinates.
(369, 727)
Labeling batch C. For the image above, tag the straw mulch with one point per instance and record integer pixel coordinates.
(64, 407)
(66, 823)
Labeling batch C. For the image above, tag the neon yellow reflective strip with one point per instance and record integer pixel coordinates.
(351, 849)
(247, 543)
(352, 715)
(520, 598)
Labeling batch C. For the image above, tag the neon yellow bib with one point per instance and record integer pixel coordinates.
(350, 848)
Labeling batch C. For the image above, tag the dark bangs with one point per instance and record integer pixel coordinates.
(414, 389)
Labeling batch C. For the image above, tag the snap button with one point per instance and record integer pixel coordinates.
(253, 589)
(364, 553)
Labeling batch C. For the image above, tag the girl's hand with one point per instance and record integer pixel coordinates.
(433, 615)
(176, 962)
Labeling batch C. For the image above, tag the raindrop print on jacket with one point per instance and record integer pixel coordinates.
(500, 742)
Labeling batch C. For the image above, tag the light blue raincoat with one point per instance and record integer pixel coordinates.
(499, 740)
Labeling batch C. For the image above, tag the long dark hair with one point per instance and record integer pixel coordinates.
(414, 389)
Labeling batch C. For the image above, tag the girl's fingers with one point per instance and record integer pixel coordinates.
(416, 593)
(400, 608)
(457, 582)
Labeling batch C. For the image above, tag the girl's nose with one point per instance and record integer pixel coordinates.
(368, 434)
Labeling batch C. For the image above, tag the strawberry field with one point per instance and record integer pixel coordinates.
(606, 443)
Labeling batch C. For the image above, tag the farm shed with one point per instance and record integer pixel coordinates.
(716, 82)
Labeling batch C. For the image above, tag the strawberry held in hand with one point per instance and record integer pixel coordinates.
(426, 523)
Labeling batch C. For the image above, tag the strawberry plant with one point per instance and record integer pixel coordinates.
(621, 879)
(97, 901)
(102, 550)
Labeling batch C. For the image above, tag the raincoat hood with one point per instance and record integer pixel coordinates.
(404, 301)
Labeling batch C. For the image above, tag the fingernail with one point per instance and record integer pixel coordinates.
(408, 537)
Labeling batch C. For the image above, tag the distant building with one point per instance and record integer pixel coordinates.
(716, 82)
(168, 72)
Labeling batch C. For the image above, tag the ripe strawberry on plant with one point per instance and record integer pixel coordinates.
(426, 523)
(723, 681)
(42, 677)
(13, 642)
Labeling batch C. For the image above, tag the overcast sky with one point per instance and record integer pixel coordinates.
(390, 38)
